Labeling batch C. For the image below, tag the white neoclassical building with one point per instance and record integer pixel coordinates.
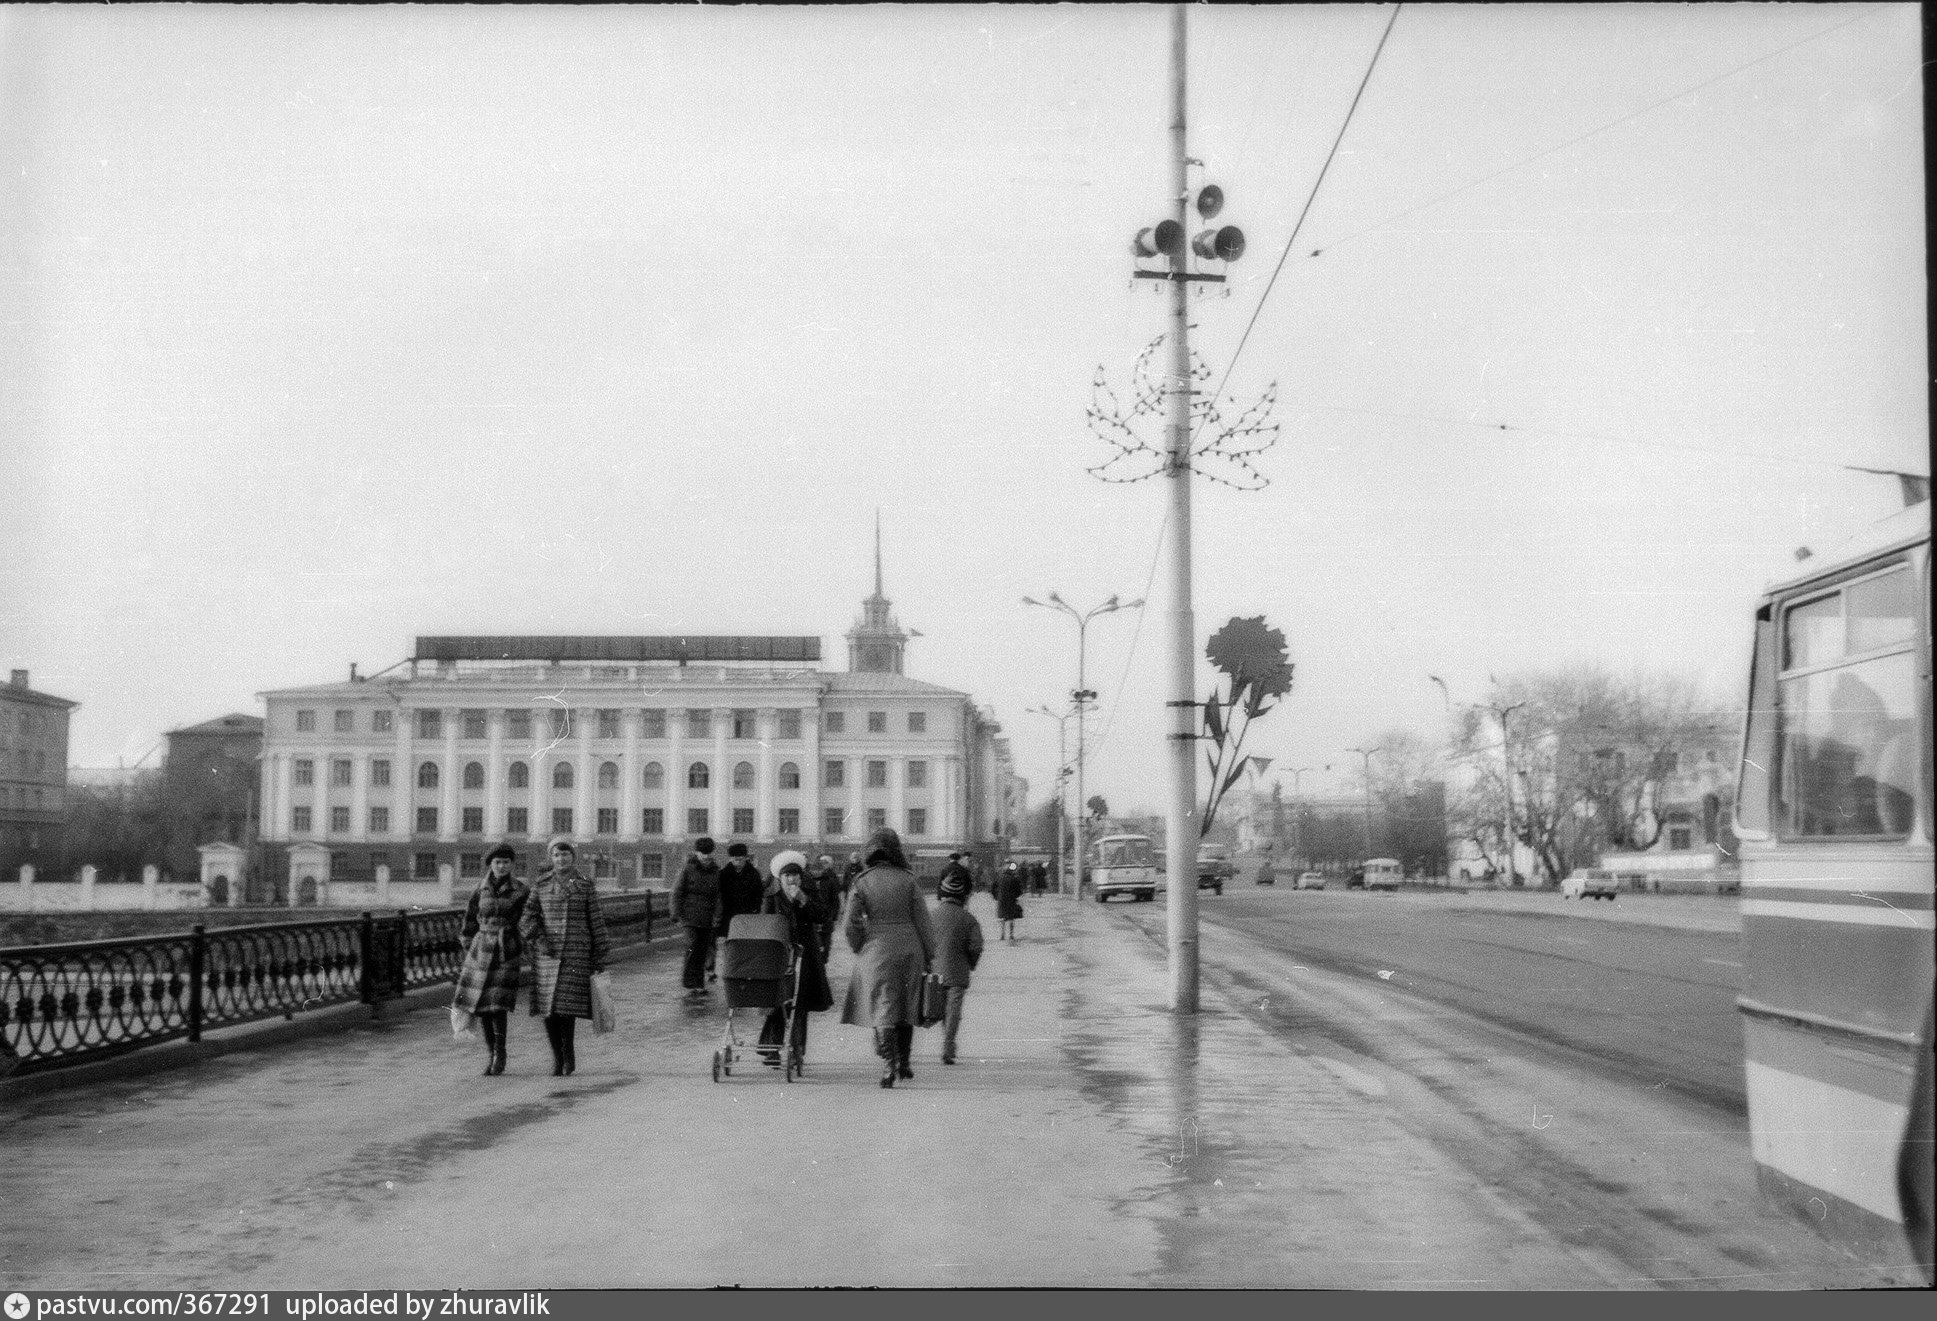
(632, 746)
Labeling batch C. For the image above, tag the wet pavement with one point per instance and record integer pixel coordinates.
(1087, 1138)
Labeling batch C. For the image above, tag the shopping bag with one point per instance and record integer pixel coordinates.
(934, 1000)
(604, 1016)
(464, 1025)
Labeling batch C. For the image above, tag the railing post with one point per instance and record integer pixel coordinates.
(649, 917)
(197, 964)
(366, 950)
(401, 978)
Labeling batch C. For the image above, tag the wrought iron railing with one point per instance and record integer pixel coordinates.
(63, 1004)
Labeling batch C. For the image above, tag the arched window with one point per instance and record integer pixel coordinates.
(427, 775)
(654, 776)
(562, 775)
(743, 775)
(473, 775)
(520, 775)
(789, 775)
(608, 775)
(697, 776)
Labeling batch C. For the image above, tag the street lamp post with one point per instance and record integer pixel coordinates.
(1367, 754)
(1082, 696)
(1062, 773)
(1297, 827)
(1500, 713)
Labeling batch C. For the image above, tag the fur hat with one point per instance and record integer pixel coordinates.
(955, 856)
(703, 845)
(562, 842)
(884, 845)
(502, 851)
(736, 850)
(787, 858)
(954, 886)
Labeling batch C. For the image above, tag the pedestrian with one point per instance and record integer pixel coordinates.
(787, 895)
(825, 885)
(695, 905)
(1008, 901)
(487, 983)
(958, 948)
(955, 868)
(1038, 878)
(741, 886)
(564, 932)
(853, 869)
(888, 928)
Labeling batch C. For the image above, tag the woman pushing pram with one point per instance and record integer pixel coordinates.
(805, 915)
(771, 960)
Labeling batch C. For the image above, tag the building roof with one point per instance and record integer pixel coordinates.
(234, 723)
(872, 682)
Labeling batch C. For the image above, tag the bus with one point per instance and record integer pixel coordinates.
(1833, 810)
(1123, 864)
(1383, 873)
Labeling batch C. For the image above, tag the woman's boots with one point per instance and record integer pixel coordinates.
(904, 1046)
(885, 1041)
(494, 1032)
(567, 1029)
(558, 1031)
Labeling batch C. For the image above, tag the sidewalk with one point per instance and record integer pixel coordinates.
(1088, 1138)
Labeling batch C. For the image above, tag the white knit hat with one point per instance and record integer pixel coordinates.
(787, 858)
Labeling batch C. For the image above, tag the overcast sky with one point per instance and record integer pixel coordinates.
(328, 327)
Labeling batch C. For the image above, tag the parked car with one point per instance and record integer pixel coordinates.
(1590, 883)
(1214, 867)
(1312, 880)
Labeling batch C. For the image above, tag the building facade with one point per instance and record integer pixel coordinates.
(33, 775)
(633, 748)
(209, 778)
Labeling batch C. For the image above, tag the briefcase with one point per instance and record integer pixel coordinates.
(934, 1000)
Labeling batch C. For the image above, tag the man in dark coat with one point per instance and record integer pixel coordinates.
(741, 887)
(821, 882)
(696, 906)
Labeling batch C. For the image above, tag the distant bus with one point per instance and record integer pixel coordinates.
(1123, 864)
(1833, 808)
(1383, 873)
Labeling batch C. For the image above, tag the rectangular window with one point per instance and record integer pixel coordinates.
(470, 865)
(790, 724)
(603, 869)
(380, 821)
(917, 775)
(340, 772)
(877, 722)
(299, 820)
(561, 821)
(430, 723)
(339, 820)
(655, 724)
(652, 821)
(877, 775)
(743, 820)
(562, 724)
(305, 722)
(699, 724)
(517, 820)
(743, 726)
(518, 724)
(380, 773)
(917, 722)
(790, 820)
(475, 725)
(380, 721)
(834, 722)
(652, 866)
(836, 776)
(608, 724)
(832, 820)
(473, 821)
(305, 771)
(608, 821)
(427, 821)
(918, 821)
(877, 818)
(423, 866)
(346, 722)
(696, 821)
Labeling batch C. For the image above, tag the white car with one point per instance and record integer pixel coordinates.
(1590, 883)
(1311, 880)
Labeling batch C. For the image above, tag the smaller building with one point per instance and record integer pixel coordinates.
(33, 775)
(209, 779)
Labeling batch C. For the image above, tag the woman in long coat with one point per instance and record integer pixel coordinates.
(787, 894)
(564, 931)
(1008, 901)
(888, 929)
(487, 984)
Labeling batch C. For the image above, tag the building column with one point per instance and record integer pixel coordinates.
(810, 775)
(585, 813)
(630, 720)
(676, 773)
(403, 778)
(451, 778)
(722, 772)
(766, 822)
(494, 773)
(359, 797)
(898, 795)
(275, 813)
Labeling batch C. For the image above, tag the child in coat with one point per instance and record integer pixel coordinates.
(958, 948)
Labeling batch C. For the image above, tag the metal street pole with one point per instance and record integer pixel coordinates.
(1297, 826)
(1180, 845)
(1506, 782)
(1062, 769)
(1367, 754)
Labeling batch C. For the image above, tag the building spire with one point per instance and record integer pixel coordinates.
(877, 642)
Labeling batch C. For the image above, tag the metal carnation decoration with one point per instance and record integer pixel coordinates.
(1219, 450)
(1257, 672)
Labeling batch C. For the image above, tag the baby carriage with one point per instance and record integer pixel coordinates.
(757, 964)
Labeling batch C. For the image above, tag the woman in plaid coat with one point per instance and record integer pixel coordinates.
(564, 932)
(487, 984)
